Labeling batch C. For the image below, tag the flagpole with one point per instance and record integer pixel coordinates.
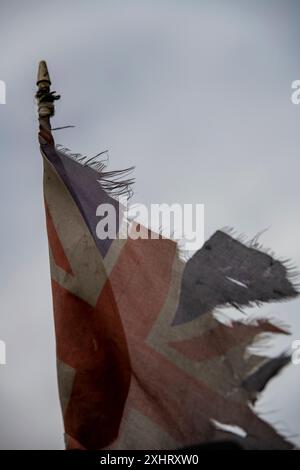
(45, 99)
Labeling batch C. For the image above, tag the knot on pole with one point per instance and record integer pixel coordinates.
(46, 100)
(47, 97)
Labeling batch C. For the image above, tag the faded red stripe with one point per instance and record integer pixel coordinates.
(219, 340)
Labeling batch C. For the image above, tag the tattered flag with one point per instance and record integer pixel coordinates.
(143, 363)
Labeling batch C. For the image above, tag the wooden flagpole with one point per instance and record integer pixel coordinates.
(45, 99)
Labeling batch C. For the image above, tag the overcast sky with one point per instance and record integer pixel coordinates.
(197, 95)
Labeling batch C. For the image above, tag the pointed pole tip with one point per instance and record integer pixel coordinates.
(43, 74)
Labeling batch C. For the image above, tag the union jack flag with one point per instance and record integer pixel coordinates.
(142, 361)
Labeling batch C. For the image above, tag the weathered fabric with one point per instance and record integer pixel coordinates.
(142, 361)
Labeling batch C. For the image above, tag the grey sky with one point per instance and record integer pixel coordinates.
(196, 94)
